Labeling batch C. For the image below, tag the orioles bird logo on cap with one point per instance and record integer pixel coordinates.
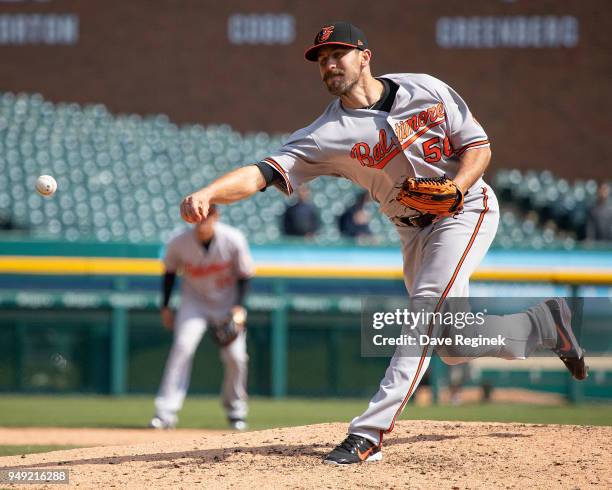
(324, 34)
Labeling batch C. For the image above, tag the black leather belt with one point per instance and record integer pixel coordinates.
(418, 221)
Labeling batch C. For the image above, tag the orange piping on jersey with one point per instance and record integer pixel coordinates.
(472, 145)
(281, 171)
(442, 298)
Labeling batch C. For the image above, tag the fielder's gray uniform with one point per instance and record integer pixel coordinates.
(427, 129)
(208, 293)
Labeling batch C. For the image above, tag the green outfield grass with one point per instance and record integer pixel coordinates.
(206, 412)
(30, 449)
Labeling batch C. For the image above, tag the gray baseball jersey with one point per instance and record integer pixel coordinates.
(210, 276)
(428, 128)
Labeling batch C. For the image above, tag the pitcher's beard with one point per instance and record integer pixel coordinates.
(339, 87)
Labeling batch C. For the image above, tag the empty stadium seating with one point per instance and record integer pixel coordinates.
(121, 177)
(552, 203)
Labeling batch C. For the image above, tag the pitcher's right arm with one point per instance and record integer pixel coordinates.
(234, 186)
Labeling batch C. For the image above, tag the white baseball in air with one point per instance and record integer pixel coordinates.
(46, 185)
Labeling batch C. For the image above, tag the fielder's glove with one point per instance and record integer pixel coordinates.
(437, 196)
(225, 332)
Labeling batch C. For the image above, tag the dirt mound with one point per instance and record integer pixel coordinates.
(62, 436)
(417, 454)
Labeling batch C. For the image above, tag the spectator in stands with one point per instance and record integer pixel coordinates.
(301, 218)
(599, 220)
(354, 221)
(6, 223)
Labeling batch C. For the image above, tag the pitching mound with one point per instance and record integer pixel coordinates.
(62, 436)
(448, 455)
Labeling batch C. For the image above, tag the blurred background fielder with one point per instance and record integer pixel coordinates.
(216, 266)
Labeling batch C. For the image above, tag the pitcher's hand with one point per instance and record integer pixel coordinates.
(194, 208)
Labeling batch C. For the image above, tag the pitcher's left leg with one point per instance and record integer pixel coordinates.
(451, 251)
(546, 325)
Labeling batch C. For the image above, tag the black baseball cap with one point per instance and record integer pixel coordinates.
(340, 33)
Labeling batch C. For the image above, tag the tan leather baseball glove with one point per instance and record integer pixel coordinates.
(226, 331)
(439, 196)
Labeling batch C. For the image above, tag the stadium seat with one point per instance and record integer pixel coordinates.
(121, 178)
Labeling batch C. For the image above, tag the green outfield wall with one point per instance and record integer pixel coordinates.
(96, 329)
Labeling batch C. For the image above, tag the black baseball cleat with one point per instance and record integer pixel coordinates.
(237, 424)
(354, 449)
(567, 348)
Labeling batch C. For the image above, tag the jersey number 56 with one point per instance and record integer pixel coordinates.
(432, 150)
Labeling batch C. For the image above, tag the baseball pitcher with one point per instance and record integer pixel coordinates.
(412, 142)
(216, 265)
